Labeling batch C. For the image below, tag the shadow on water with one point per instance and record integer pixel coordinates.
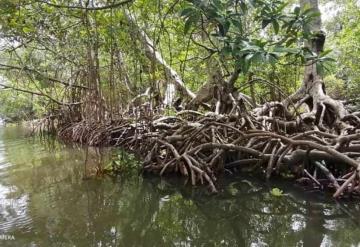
(49, 196)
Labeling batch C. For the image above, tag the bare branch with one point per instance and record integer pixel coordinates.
(38, 94)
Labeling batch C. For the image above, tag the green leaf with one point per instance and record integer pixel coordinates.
(217, 4)
(27, 29)
(227, 50)
(326, 52)
(248, 57)
(224, 28)
(265, 23)
(290, 41)
(192, 20)
(243, 64)
(271, 58)
(276, 26)
(258, 58)
(282, 7)
(187, 11)
(297, 10)
(243, 6)
(320, 69)
(276, 192)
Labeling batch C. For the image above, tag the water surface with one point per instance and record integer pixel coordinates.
(50, 197)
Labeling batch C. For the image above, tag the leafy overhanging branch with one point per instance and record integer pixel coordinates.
(111, 6)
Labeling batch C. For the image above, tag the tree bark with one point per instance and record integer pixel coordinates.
(323, 109)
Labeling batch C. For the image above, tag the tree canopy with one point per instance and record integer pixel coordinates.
(57, 50)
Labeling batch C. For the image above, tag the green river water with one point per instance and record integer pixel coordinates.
(48, 197)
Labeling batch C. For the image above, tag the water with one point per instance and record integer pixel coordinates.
(49, 197)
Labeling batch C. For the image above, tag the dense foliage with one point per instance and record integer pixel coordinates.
(51, 51)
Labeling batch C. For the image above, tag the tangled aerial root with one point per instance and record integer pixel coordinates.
(200, 147)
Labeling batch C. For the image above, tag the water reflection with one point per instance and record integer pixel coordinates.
(49, 197)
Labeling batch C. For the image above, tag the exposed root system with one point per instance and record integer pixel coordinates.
(201, 146)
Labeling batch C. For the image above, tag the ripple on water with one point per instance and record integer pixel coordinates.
(13, 210)
(13, 205)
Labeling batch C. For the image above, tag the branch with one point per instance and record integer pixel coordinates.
(38, 94)
(111, 6)
(153, 54)
(25, 68)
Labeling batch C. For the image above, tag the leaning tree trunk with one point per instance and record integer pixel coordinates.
(324, 111)
(154, 55)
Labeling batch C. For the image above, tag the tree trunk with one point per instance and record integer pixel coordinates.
(153, 54)
(323, 109)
